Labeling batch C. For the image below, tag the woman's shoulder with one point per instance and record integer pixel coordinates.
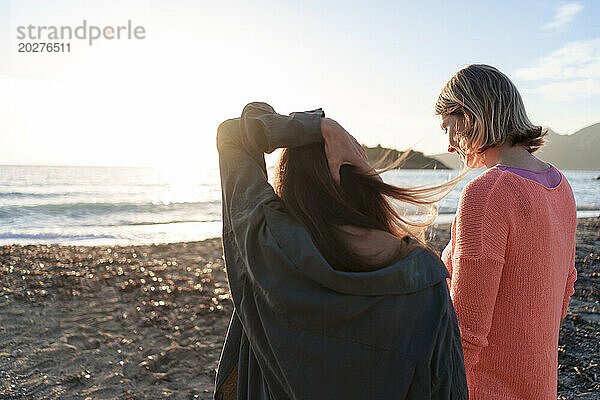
(485, 182)
(479, 190)
(485, 202)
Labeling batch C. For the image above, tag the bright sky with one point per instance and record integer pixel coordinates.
(376, 67)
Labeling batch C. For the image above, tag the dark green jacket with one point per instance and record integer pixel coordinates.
(302, 330)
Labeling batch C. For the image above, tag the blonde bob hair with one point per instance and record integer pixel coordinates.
(492, 109)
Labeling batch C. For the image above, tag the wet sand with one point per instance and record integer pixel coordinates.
(148, 322)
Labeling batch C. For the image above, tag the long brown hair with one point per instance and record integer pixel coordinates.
(311, 196)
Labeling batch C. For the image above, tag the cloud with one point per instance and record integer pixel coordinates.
(575, 60)
(569, 73)
(564, 14)
(567, 91)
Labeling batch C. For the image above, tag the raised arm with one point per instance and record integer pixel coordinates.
(241, 143)
(261, 130)
(246, 192)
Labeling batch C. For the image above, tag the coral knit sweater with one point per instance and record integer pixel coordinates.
(512, 263)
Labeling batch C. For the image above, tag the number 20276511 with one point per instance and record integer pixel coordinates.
(43, 47)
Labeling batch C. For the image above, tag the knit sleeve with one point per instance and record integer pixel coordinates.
(480, 237)
(447, 253)
(570, 286)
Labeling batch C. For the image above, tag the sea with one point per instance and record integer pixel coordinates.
(127, 205)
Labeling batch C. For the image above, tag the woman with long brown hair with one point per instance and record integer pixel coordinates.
(334, 295)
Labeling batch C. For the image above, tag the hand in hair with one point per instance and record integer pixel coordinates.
(342, 148)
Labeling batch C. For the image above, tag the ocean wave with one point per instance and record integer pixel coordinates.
(183, 221)
(25, 195)
(107, 214)
(590, 207)
(102, 208)
(52, 236)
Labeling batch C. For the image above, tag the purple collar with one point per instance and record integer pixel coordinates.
(549, 178)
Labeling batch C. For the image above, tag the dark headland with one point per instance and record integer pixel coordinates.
(413, 160)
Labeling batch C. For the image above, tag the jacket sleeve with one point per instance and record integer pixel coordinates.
(241, 143)
(448, 378)
(570, 286)
(481, 234)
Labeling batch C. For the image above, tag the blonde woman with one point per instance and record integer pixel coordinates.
(511, 256)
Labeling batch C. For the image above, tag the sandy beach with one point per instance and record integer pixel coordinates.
(148, 322)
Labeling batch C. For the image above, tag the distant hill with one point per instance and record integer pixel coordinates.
(415, 160)
(450, 159)
(581, 150)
